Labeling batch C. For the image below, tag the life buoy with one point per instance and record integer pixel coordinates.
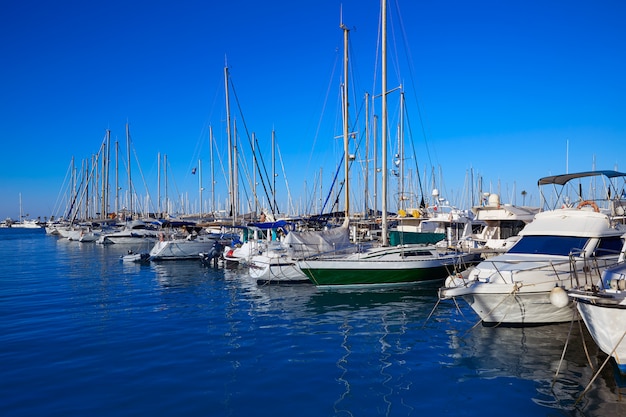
(589, 203)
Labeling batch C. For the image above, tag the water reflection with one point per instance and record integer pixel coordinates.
(177, 274)
(358, 341)
(534, 354)
(230, 343)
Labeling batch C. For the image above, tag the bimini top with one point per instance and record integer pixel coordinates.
(564, 178)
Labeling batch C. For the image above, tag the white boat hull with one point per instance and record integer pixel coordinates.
(181, 248)
(519, 308)
(278, 270)
(607, 326)
(507, 293)
(124, 238)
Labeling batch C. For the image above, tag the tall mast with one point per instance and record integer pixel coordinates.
(159, 206)
(105, 175)
(274, 168)
(321, 200)
(85, 191)
(130, 182)
(254, 184)
(367, 161)
(375, 129)
(401, 151)
(235, 174)
(117, 182)
(383, 6)
(200, 183)
(346, 143)
(231, 182)
(73, 191)
(212, 172)
(167, 208)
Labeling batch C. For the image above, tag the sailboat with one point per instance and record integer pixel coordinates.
(381, 265)
(278, 262)
(23, 222)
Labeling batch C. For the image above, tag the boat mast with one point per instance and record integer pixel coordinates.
(273, 168)
(375, 129)
(230, 146)
(105, 175)
(345, 124)
(159, 207)
(200, 183)
(401, 153)
(235, 174)
(130, 183)
(367, 162)
(85, 193)
(167, 201)
(117, 182)
(254, 183)
(383, 6)
(212, 171)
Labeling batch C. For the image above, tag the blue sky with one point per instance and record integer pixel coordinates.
(503, 91)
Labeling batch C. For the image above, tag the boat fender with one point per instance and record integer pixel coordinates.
(558, 297)
(589, 203)
(618, 284)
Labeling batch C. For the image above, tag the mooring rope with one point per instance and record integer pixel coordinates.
(600, 369)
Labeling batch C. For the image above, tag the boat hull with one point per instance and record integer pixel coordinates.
(373, 271)
(179, 249)
(519, 309)
(607, 325)
(127, 238)
(523, 302)
(268, 270)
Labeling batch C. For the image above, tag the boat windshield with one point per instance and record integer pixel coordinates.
(549, 245)
(609, 246)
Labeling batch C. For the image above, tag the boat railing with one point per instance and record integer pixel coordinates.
(561, 267)
(301, 251)
(589, 275)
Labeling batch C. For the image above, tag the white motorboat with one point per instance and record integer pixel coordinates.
(253, 241)
(136, 232)
(90, 235)
(441, 224)
(24, 224)
(527, 284)
(500, 225)
(602, 306)
(188, 247)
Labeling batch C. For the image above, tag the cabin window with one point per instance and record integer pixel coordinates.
(406, 254)
(510, 228)
(609, 246)
(549, 245)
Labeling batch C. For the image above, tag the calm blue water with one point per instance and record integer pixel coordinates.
(83, 334)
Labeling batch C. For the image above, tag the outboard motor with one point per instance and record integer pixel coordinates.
(213, 255)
